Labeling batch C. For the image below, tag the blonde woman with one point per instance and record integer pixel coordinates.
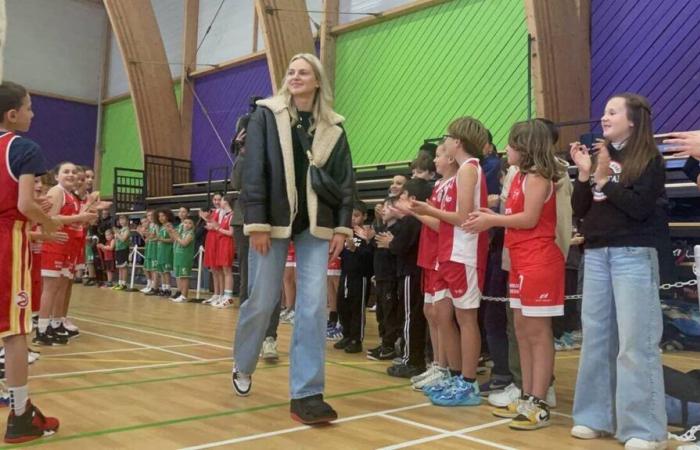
(280, 205)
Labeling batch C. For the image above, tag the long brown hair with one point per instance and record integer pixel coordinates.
(533, 140)
(640, 148)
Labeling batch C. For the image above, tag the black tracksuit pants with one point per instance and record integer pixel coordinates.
(414, 323)
(352, 291)
(388, 318)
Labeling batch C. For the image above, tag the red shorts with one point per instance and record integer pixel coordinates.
(429, 278)
(461, 283)
(538, 289)
(334, 268)
(36, 282)
(210, 244)
(224, 252)
(291, 256)
(16, 282)
(57, 265)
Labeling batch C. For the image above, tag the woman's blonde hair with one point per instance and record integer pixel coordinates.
(533, 140)
(323, 99)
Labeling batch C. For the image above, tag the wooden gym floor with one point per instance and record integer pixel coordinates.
(150, 374)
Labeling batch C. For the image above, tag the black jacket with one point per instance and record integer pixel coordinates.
(269, 194)
(622, 216)
(405, 246)
(358, 262)
(384, 259)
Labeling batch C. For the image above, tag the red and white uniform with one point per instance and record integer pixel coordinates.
(81, 239)
(537, 265)
(334, 267)
(224, 244)
(36, 247)
(291, 256)
(58, 259)
(461, 255)
(210, 242)
(428, 247)
(15, 258)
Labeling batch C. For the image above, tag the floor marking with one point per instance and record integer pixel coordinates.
(252, 437)
(122, 369)
(225, 413)
(117, 350)
(447, 434)
(132, 361)
(562, 415)
(194, 341)
(145, 346)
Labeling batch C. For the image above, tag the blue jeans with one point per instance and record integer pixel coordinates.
(308, 346)
(620, 380)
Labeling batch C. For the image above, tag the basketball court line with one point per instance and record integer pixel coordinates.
(128, 368)
(142, 345)
(116, 350)
(154, 333)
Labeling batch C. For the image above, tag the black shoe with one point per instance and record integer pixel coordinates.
(175, 295)
(77, 281)
(341, 344)
(404, 371)
(164, 293)
(57, 339)
(153, 292)
(241, 384)
(382, 354)
(373, 354)
(60, 331)
(29, 426)
(43, 338)
(354, 347)
(312, 410)
(374, 349)
(72, 333)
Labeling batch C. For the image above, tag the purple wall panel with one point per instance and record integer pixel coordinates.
(652, 48)
(225, 96)
(65, 130)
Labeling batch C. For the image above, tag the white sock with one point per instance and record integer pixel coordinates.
(148, 284)
(18, 399)
(55, 323)
(43, 325)
(228, 294)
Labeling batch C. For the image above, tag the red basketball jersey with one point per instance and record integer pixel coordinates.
(428, 243)
(9, 184)
(455, 244)
(69, 207)
(545, 230)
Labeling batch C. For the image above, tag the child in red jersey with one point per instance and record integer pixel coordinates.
(537, 264)
(212, 223)
(107, 253)
(225, 251)
(58, 259)
(462, 264)
(18, 206)
(447, 167)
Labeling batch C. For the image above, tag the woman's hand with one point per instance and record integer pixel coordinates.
(582, 158)
(602, 170)
(479, 221)
(260, 241)
(686, 143)
(336, 246)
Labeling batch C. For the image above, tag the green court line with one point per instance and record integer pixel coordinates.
(165, 423)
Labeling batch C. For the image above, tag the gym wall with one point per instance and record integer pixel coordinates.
(650, 48)
(401, 81)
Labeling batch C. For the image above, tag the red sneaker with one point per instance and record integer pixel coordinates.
(29, 426)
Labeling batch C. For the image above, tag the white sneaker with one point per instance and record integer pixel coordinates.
(211, 300)
(504, 398)
(429, 371)
(180, 299)
(241, 383)
(583, 432)
(641, 444)
(288, 317)
(225, 302)
(145, 290)
(436, 377)
(32, 357)
(269, 349)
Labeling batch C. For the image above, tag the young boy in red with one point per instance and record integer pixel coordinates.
(17, 208)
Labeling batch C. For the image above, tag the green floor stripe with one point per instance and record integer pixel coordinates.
(165, 423)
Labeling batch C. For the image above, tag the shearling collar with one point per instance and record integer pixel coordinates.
(276, 104)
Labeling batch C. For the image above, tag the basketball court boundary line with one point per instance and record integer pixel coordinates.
(116, 350)
(128, 368)
(141, 344)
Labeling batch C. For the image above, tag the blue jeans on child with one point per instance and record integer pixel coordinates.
(620, 388)
(308, 346)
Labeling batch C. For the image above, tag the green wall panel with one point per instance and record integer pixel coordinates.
(404, 80)
(120, 140)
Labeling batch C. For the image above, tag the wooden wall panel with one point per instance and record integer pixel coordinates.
(189, 54)
(287, 31)
(561, 62)
(330, 20)
(158, 120)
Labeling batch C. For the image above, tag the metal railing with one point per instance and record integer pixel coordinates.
(162, 172)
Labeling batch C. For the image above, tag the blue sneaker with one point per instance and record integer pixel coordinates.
(334, 333)
(460, 394)
(441, 386)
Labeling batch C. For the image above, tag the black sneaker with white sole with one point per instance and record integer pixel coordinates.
(56, 338)
(241, 383)
(312, 410)
(60, 331)
(43, 338)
